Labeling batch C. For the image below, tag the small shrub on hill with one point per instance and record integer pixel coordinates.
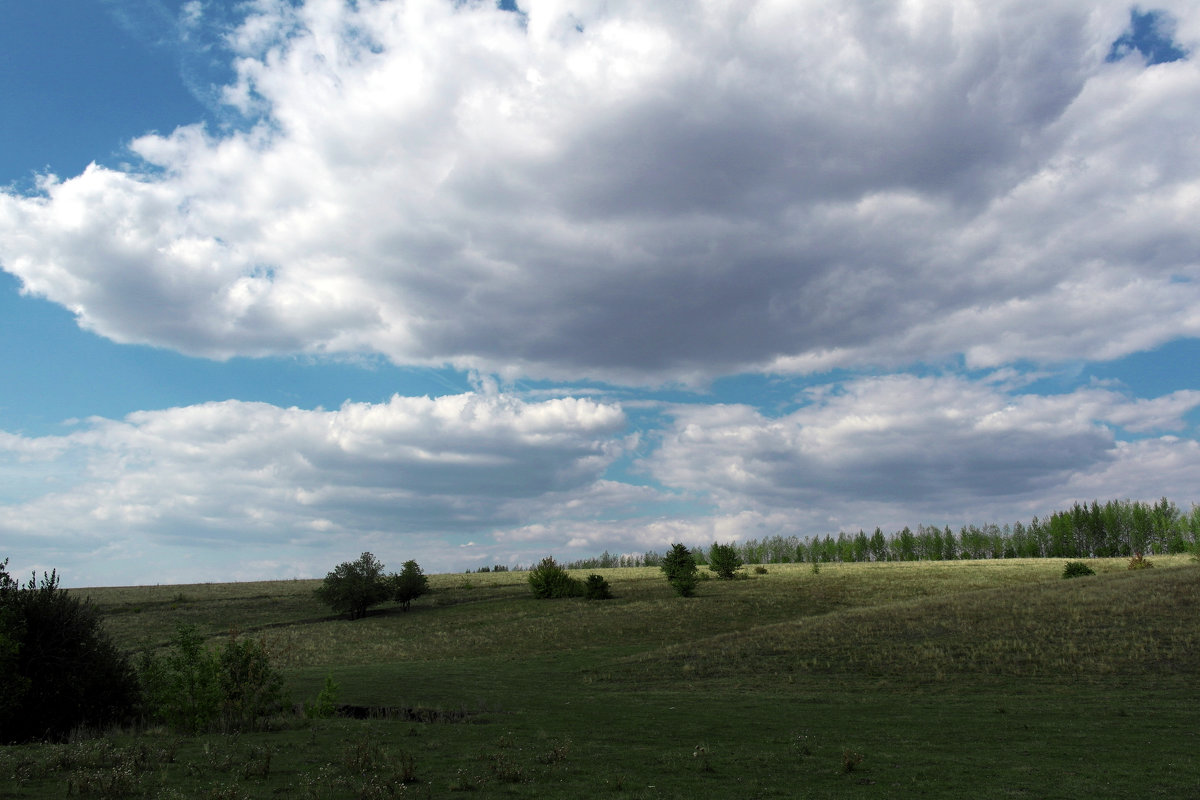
(724, 560)
(597, 588)
(1139, 562)
(1076, 569)
(680, 569)
(549, 580)
(326, 704)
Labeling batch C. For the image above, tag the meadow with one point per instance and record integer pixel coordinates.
(868, 680)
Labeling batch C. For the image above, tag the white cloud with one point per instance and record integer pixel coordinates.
(226, 489)
(403, 473)
(609, 190)
(901, 450)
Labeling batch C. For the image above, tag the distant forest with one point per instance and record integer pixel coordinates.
(1116, 528)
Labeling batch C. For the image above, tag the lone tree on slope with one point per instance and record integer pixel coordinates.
(409, 584)
(680, 568)
(355, 586)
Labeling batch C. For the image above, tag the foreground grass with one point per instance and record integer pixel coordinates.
(983, 679)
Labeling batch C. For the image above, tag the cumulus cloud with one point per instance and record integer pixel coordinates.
(167, 492)
(612, 190)
(902, 449)
(407, 471)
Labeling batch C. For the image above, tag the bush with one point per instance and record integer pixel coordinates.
(548, 580)
(680, 569)
(60, 671)
(326, 704)
(597, 588)
(408, 585)
(355, 586)
(724, 560)
(1139, 562)
(251, 688)
(193, 689)
(1076, 569)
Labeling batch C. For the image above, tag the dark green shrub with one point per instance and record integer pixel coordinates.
(13, 684)
(61, 672)
(1139, 562)
(251, 687)
(548, 580)
(597, 588)
(680, 569)
(1077, 569)
(724, 560)
(355, 586)
(194, 689)
(409, 584)
(183, 686)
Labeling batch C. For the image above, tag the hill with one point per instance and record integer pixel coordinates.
(931, 679)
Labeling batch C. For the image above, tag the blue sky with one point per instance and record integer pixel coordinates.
(282, 282)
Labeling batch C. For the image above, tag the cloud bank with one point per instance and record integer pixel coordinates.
(613, 191)
(411, 477)
(621, 196)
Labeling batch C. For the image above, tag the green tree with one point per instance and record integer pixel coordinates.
(724, 560)
(195, 689)
(11, 630)
(355, 586)
(61, 671)
(680, 569)
(548, 580)
(597, 588)
(409, 584)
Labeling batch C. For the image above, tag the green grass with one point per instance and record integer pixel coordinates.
(981, 679)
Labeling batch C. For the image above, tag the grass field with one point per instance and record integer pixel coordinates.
(918, 679)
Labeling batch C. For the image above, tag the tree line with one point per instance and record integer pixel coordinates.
(1115, 529)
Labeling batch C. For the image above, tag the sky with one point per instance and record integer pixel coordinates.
(283, 281)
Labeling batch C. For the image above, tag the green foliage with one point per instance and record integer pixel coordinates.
(326, 704)
(1008, 639)
(60, 671)
(680, 569)
(1077, 569)
(13, 684)
(194, 689)
(1113, 529)
(724, 560)
(409, 584)
(548, 580)
(251, 688)
(597, 588)
(354, 586)
(1139, 562)
(182, 688)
